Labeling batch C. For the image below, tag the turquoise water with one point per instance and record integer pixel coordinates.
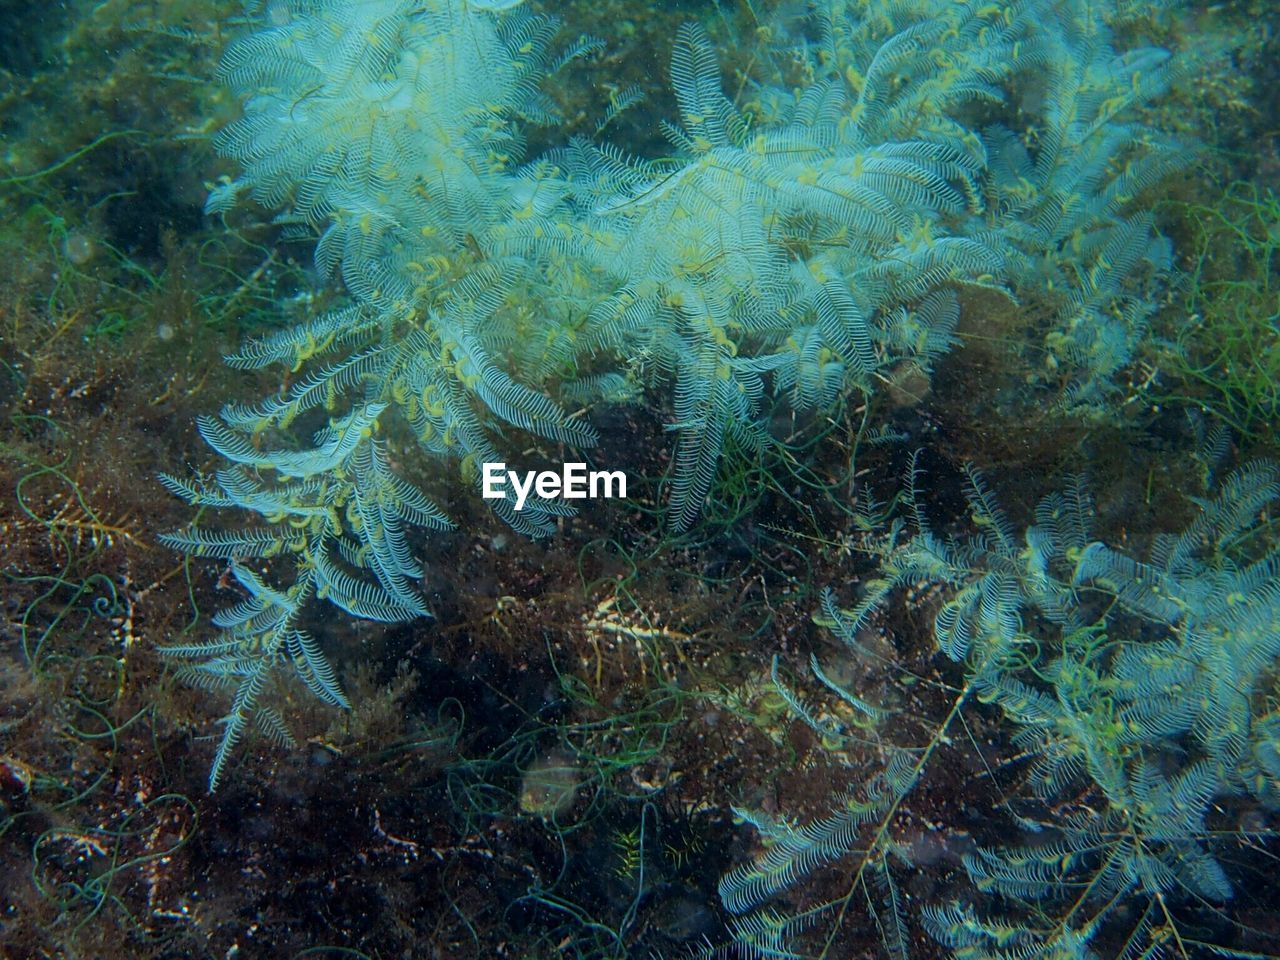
(759, 480)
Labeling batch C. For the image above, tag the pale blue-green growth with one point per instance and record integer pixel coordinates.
(796, 247)
(1136, 690)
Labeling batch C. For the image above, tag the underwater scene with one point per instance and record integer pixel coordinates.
(622, 480)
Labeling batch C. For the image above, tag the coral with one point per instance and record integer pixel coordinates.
(796, 253)
(1065, 191)
(1131, 691)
